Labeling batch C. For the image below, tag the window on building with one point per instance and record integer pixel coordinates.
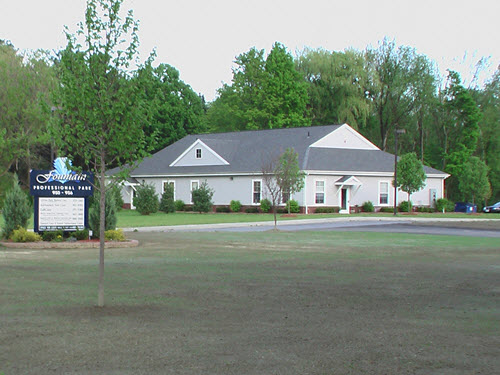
(198, 153)
(320, 192)
(257, 191)
(383, 192)
(195, 184)
(165, 184)
(285, 197)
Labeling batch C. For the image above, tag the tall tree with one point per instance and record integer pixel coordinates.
(173, 109)
(399, 81)
(411, 175)
(99, 109)
(26, 83)
(488, 148)
(336, 85)
(265, 93)
(473, 180)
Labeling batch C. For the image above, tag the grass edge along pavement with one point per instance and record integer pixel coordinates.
(132, 218)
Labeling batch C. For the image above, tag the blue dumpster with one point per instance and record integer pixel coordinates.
(467, 208)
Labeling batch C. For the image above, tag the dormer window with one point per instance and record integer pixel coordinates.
(198, 153)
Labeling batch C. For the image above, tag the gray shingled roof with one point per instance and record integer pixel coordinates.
(247, 151)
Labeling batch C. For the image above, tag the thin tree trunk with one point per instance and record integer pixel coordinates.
(102, 218)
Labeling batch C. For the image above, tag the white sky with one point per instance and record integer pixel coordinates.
(201, 38)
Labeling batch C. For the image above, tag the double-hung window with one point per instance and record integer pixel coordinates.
(383, 193)
(256, 191)
(195, 184)
(168, 183)
(319, 192)
(198, 153)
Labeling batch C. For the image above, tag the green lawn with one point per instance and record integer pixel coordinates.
(239, 303)
(131, 218)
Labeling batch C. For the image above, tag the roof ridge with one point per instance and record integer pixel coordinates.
(267, 130)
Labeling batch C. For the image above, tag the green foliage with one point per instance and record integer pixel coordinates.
(401, 83)
(488, 148)
(223, 209)
(473, 180)
(293, 206)
(404, 206)
(116, 193)
(266, 93)
(179, 205)
(173, 108)
(386, 209)
(94, 213)
(16, 211)
(235, 206)
(252, 210)
(336, 85)
(52, 235)
(444, 205)
(22, 235)
(368, 207)
(289, 177)
(146, 199)
(114, 235)
(167, 204)
(81, 235)
(202, 198)
(26, 81)
(411, 174)
(327, 210)
(265, 205)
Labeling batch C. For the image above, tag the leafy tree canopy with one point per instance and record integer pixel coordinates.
(265, 93)
(173, 109)
(410, 174)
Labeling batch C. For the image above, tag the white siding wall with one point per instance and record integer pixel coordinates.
(228, 188)
(368, 191)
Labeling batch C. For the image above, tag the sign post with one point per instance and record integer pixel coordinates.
(61, 198)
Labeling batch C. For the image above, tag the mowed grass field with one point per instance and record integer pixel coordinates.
(255, 303)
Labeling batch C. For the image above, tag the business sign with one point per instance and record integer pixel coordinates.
(60, 197)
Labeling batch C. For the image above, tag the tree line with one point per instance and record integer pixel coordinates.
(448, 125)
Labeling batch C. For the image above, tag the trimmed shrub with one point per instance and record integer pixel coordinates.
(425, 209)
(179, 205)
(235, 206)
(16, 210)
(167, 204)
(403, 206)
(265, 205)
(368, 207)
(443, 204)
(109, 214)
(202, 198)
(327, 210)
(252, 210)
(52, 235)
(293, 205)
(223, 209)
(22, 235)
(386, 209)
(146, 200)
(188, 208)
(81, 235)
(114, 235)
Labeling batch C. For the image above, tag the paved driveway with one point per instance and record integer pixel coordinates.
(360, 224)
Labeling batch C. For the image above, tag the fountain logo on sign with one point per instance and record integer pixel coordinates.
(61, 197)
